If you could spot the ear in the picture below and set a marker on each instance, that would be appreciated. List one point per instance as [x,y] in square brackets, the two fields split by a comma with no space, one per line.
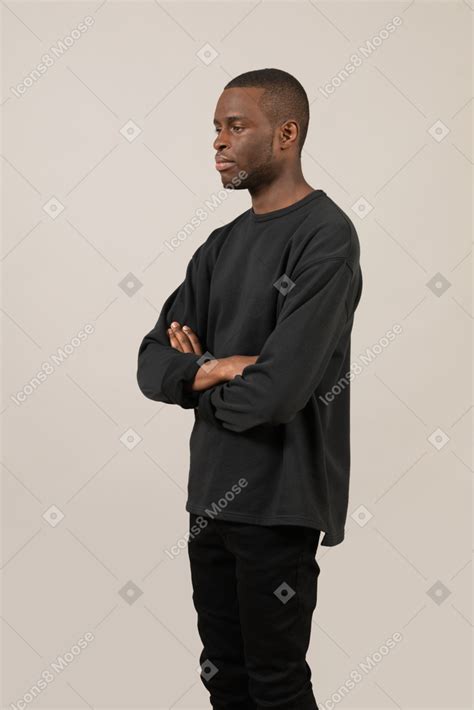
[289,132]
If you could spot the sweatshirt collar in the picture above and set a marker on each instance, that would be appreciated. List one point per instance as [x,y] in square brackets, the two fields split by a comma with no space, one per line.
[261,217]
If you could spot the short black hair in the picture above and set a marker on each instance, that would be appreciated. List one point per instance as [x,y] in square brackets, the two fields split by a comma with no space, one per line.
[284,97]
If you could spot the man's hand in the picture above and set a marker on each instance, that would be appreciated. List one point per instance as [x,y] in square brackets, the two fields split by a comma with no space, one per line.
[235,364]
[184,339]
[216,371]
[212,372]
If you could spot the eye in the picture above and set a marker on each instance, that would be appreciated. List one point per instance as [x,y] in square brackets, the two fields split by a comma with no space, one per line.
[233,128]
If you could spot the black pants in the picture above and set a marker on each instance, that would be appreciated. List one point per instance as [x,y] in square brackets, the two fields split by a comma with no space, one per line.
[254,590]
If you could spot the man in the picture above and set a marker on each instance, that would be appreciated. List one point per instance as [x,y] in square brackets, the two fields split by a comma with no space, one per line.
[256,340]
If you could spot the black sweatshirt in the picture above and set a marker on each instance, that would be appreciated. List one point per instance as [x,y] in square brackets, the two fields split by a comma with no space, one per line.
[271,446]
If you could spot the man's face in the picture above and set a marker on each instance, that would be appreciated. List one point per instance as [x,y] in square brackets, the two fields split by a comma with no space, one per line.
[244,136]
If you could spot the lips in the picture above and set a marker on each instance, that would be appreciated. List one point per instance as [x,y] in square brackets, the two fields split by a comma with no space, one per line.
[223,164]
[222,167]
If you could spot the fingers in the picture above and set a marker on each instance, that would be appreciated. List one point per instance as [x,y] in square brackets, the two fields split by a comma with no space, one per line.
[193,339]
[184,339]
[174,342]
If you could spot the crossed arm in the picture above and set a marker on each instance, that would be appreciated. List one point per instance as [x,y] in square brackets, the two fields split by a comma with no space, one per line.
[273,386]
[185,340]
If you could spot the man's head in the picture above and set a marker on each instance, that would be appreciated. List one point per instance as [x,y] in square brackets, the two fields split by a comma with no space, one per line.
[261,122]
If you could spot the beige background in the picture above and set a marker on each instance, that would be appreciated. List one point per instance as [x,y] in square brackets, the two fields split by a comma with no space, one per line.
[392,146]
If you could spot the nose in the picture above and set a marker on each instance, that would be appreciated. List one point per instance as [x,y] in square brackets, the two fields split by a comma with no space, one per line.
[221,141]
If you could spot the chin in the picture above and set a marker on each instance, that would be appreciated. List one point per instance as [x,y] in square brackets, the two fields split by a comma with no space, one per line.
[234,183]
[229,185]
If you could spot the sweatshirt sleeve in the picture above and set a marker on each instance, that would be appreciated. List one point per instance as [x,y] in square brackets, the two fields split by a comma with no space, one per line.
[165,374]
[294,357]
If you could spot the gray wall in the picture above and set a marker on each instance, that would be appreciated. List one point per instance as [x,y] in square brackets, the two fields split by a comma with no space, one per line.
[391,145]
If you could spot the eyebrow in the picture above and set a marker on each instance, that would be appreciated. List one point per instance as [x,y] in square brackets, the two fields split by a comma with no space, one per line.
[229,119]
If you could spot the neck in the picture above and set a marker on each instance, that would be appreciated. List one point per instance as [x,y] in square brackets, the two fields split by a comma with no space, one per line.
[282,192]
